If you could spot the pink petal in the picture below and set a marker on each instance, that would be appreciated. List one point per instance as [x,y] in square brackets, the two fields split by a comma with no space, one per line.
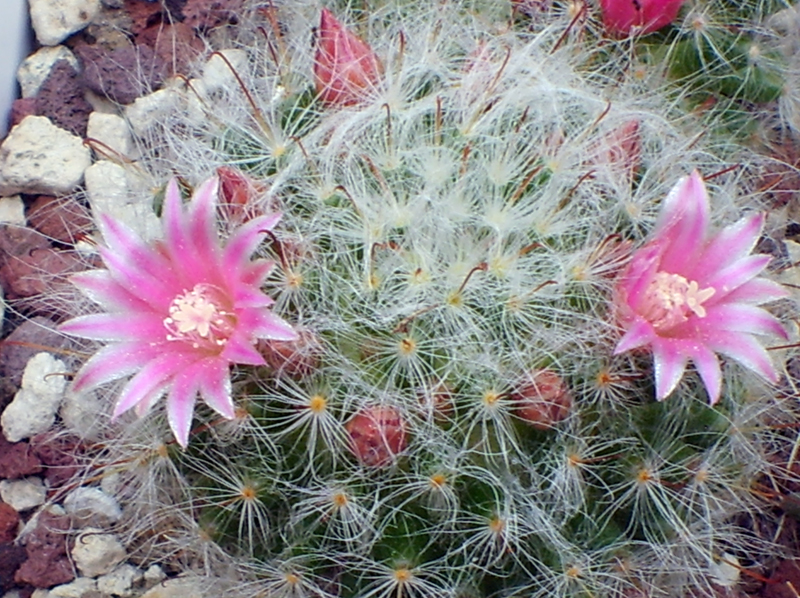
[239,349]
[245,241]
[640,273]
[113,362]
[707,365]
[738,317]
[683,223]
[728,246]
[130,248]
[101,288]
[153,377]
[734,276]
[254,273]
[117,327]
[639,334]
[757,291]
[669,358]
[215,387]
[201,225]
[158,293]
[746,350]
[191,244]
[262,323]
[180,403]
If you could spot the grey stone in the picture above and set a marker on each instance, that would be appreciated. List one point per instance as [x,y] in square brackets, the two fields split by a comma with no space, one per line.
[55,20]
[34,407]
[40,158]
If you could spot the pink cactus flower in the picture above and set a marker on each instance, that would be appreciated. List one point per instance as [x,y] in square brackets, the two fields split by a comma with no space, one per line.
[345,68]
[179,312]
[621,17]
[687,294]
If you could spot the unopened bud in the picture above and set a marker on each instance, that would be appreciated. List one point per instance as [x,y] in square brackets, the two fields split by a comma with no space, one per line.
[377,435]
[542,399]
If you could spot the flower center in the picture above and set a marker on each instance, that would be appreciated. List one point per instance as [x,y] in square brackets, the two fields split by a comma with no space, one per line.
[197,317]
[671,300]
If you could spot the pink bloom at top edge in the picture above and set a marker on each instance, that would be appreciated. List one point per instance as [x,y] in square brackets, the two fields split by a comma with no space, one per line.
[179,311]
[687,294]
[620,17]
[345,68]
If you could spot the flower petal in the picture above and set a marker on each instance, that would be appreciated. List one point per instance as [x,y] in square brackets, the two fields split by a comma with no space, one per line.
[180,403]
[153,377]
[746,350]
[738,317]
[683,223]
[117,327]
[245,240]
[707,365]
[158,293]
[735,275]
[215,387]
[101,288]
[757,291]
[729,245]
[262,323]
[639,334]
[113,362]
[239,349]
[669,359]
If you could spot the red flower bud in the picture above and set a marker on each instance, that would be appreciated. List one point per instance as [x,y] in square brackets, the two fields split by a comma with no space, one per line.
[542,399]
[238,193]
[296,359]
[621,17]
[345,68]
[377,435]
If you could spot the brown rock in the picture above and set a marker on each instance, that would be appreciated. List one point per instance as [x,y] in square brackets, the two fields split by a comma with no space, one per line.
[123,74]
[59,455]
[46,547]
[17,460]
[11,557]
[176,45]
[21,108]
[31,337]
[19,240]
[40,272]
[205,14]
[9,523]
[63,219]
[61,99]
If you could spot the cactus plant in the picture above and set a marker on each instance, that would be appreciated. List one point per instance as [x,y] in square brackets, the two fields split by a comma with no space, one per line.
[450,414]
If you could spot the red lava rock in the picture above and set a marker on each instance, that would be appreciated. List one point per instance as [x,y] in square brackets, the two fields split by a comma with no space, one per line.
[17,460]
[61,99]
[31,337]
[63,219]
[39,272]
[122,74]
[11,557]
[59,456]
[47,548]
[9,523]
[175,44]
[21,108]
[143,14]
[205,14]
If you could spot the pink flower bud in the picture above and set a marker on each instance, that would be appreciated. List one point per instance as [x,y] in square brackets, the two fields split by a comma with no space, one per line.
[345,68]
[542,399]
[377,435]
[621,17]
